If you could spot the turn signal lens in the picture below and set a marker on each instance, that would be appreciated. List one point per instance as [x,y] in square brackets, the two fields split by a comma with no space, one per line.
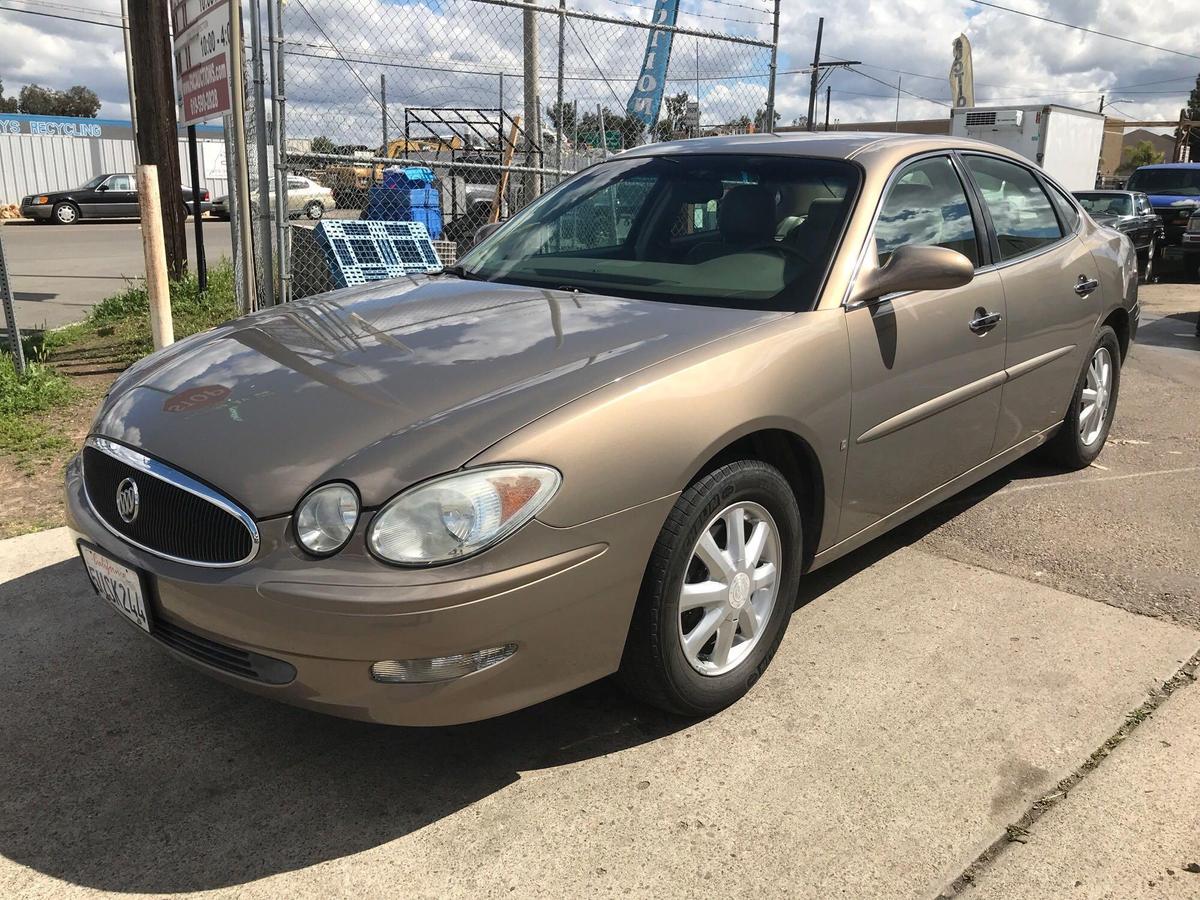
[439,668]
[42,199]
[458,515]
[325,518]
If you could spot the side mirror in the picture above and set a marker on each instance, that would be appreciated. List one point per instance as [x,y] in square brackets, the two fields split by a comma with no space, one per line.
[487,230]
[914,268]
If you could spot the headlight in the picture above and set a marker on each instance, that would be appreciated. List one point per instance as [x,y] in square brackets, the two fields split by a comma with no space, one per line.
[461,514]
[325,518]
[41,201]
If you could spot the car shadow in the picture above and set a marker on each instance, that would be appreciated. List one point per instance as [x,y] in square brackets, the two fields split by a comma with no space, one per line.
[126,771]
[1175,330]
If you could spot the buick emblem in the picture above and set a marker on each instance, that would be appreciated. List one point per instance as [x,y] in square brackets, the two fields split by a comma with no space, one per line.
[127,500]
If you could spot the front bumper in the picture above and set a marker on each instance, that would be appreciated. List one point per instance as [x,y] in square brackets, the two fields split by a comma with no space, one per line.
[563,595]
[1191,242]
[37,210]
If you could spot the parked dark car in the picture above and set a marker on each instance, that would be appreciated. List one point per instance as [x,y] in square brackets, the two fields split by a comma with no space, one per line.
[1174,190]
[110,196]
[1130,213]
[1191,250]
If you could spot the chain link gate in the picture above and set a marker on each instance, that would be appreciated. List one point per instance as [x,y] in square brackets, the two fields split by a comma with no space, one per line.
[373,88]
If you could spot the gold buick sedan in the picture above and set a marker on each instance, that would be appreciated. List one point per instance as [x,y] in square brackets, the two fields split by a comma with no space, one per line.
[614,437]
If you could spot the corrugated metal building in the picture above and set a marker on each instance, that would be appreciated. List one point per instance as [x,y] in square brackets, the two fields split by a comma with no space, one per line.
[50,153]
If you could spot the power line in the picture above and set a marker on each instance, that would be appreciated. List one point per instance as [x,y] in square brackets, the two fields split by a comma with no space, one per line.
[1103,34]
[588,51]
[701,15]
[31,12]
[898,88]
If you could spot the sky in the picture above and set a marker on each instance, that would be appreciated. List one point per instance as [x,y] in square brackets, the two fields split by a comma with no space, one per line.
[463,47]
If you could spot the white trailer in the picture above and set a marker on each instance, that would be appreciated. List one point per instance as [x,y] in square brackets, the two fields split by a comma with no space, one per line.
[1065,142]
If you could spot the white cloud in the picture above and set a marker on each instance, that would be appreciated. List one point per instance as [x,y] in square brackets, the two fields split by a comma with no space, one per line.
[464,46]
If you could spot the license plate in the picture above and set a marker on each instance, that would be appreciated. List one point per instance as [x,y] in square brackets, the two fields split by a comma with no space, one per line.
[119,584]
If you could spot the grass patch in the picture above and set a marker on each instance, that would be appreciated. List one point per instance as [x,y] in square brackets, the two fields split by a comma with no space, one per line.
[122,321]
[24,401]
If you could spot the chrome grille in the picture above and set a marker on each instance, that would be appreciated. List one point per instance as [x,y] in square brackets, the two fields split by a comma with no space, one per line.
[177,517]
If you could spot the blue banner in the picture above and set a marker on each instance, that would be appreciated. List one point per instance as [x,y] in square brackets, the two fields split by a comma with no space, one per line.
[646,99]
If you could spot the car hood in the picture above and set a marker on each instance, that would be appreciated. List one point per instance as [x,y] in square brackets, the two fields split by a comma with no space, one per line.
[385,385]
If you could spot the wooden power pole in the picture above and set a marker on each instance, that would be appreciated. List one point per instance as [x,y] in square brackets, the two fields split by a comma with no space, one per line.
[157,134]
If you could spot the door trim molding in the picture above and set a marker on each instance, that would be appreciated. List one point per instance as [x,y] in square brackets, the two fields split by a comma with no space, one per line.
[1036,362]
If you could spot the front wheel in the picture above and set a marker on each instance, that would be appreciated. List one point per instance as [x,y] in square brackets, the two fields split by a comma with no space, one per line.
[65,214]
[1093,405]
[1147,268]
[718,591]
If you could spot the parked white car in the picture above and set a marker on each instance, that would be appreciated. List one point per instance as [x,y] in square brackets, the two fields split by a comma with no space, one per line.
[305,197]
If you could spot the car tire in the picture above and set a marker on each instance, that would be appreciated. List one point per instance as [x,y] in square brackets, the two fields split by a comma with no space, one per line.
[65,214]
[1077,443]
[657,666]
[314,210]
[1146,267]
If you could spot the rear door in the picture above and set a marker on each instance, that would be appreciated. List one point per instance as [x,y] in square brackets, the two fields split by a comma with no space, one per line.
[926,372]
[1051,287]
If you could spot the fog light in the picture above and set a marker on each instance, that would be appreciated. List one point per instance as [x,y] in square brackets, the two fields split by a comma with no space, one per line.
[439,668]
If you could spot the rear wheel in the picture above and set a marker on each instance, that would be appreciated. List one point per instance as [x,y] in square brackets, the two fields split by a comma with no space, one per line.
[314,209]
[718,592]
[65,214]
[1085,428]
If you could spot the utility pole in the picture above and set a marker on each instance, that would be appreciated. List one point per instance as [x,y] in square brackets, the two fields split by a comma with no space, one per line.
[769,124]
[1102,102]
[129,75]
[383,111]
[248,295]
[828,97]
[260,146]
[532,181]
[899,80]
[816,77]
[158,135]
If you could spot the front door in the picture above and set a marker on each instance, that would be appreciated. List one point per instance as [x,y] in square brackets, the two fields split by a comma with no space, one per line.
[122,196]
[926,372]
[1053,294]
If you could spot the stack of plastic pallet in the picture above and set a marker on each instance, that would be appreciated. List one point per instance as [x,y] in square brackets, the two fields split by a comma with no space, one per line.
[407,195]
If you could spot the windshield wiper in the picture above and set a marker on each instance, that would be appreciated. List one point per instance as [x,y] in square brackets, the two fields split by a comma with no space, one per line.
[458,272]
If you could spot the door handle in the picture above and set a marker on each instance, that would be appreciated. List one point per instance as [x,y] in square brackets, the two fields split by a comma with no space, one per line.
[1086,285]
[984,321]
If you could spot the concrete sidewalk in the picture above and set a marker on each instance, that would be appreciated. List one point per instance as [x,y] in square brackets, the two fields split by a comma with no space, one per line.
[916,707]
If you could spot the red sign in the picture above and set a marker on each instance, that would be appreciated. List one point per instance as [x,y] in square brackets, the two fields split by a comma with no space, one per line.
[192,399]
[202,58]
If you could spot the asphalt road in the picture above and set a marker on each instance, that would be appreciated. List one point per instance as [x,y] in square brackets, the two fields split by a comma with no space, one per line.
[58,272]
[932,690]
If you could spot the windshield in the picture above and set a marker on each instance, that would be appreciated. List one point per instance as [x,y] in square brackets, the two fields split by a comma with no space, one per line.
[1180,182]
[1106,204]
[753,232]
[93,183]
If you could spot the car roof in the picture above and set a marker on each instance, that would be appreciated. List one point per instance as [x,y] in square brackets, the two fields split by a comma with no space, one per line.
[1182,165]
[1105,191]
[828,144]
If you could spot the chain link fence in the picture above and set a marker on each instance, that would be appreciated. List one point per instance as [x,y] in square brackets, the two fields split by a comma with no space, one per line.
[419,111]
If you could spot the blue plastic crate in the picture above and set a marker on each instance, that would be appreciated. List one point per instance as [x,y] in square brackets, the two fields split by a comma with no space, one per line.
[359,252]
[408,177]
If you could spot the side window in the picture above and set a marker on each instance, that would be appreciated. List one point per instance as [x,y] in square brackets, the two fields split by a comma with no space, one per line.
[927,204]
[297,184]
[1021,212]
[1143,205]
[120,183]
[1067,213]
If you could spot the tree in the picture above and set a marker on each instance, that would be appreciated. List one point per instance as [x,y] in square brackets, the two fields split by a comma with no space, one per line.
[322,144]
[1141,154]
[1193,113]
[760,120]
[629,128]
[674,123]
[563,123]
[78,100]
[7,104]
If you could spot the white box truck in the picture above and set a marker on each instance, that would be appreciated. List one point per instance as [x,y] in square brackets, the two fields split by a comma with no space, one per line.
[1065,142]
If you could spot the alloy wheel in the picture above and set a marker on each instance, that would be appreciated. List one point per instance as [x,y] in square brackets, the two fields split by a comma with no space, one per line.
[730,588]
[65,214]
[1095,397]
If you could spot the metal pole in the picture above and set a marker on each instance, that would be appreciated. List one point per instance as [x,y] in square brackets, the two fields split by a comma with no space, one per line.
[769,124]
[10,315]
[501,96]
[260,146]
[603,132]
[279,157]
[899,79]
[828,96]
[129,78]
[558,109]
[530,38]
[816,77]
[249,296]
[383,111]
[197,210]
